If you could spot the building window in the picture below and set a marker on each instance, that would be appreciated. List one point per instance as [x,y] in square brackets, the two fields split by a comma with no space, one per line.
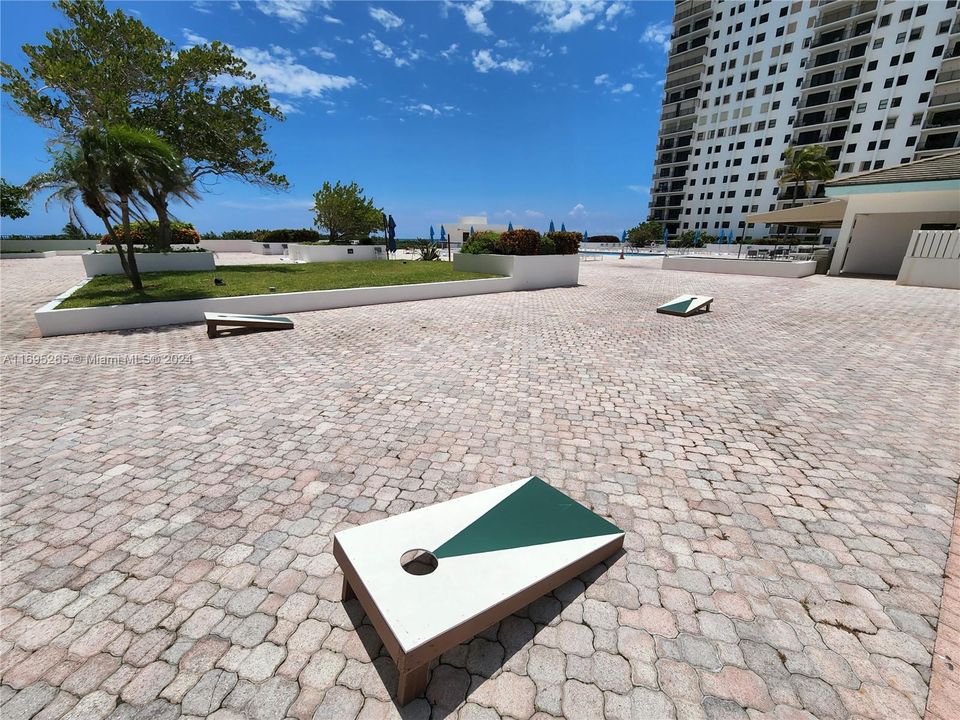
[884,21]
[908,58]
[867,87]
[943,27]
[916,33]
[856,128]
[884,144]
[877,125]
[891,123]
[871,146]
[872,65]
[937,51]
[902,80]
[900,38]
[878,43]
[888,83]
[922,10]
[896,102]
[852,147]
[878,164]
[883,104]
[862,107]
[894,60]
[917,119]
[906,14]
[911,141]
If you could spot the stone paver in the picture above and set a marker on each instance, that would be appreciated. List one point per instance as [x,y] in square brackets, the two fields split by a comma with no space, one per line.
[785,468]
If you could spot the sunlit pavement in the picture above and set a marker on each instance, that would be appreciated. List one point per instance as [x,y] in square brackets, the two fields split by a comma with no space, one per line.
[785,468]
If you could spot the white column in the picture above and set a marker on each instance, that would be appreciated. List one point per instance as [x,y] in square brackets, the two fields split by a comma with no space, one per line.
[843,240]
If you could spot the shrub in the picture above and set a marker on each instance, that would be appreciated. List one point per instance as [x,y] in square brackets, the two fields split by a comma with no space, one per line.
[286,235]
[482,243]
[564,243]
[148,233]
[519,242]
[547,245]
[426,250]
[604,239]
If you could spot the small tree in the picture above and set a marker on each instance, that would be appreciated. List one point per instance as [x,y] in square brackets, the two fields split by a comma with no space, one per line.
[344,212]
[803,165]
[646,233]
[13,200]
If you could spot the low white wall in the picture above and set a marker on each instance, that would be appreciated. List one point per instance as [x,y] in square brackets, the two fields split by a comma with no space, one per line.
[769,268]
[262,248]
[528,272]
[51,244]
[336,253]
[72,321]
[226,245]
[109,263]
[932,260]
[26,255]
[879,241]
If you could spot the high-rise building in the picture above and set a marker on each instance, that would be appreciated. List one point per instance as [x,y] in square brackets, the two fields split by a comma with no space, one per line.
[874,82]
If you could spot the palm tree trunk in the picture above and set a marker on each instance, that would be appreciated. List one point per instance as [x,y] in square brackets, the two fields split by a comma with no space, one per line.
[133,273]
[117,243]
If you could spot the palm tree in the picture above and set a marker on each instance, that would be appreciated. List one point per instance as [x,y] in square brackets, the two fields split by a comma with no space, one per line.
[109,170]
[803,165]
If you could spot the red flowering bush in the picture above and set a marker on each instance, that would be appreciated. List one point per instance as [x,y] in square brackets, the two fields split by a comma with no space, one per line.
[519,242]
[147,233]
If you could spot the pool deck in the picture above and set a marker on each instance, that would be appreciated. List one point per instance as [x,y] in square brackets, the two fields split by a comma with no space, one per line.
[785,468]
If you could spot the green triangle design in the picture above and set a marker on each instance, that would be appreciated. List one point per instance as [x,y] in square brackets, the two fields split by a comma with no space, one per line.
[534,514]
[681,306]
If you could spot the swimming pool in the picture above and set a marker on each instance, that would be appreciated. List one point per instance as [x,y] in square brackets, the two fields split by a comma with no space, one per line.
[617,253]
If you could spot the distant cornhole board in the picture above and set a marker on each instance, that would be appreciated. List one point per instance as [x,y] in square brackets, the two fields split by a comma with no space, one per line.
[262,322]
[433,578]
[686,305]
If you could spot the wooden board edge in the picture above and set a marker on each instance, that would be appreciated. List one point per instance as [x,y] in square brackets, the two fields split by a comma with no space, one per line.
[387,635]
[478,623]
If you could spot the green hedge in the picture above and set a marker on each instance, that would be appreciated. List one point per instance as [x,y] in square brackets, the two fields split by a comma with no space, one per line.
[522,241]
[148,233]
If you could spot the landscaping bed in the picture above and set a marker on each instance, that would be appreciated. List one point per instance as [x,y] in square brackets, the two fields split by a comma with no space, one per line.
[241,280]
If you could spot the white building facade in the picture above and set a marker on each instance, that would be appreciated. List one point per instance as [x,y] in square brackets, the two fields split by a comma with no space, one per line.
[876,82]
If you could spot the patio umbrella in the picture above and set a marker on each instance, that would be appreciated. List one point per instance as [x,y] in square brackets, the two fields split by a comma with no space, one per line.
[623,237]
[551,227]
[431,233]
[696,237]
[510,226]
[443,234]
[392,234]
[471,231]
[666,236]
[586,236]
[720,238]
[563,227]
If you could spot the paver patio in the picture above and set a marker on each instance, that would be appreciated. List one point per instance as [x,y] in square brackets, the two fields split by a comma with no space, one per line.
[785,468]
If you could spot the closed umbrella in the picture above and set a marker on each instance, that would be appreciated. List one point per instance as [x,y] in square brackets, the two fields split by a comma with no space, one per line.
[551,227]
[443,234]
[696,238]
[392,234]
[666,238]
[563,227]
[586,236]
[431,233]
[510,226]
[623,240]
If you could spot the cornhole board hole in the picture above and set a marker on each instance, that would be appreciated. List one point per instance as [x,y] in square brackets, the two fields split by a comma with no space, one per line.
[264,322]
[431,579]
[686,305]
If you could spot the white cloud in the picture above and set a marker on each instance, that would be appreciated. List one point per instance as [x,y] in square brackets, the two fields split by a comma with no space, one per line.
[533,213]
[562,16]
[578,211]
[331,20]
[602,79]
[613,13]
[322,52]
[484,61]
[294,12]
[473,14]
[657,34]
[431,110]
[202,6]
[449,51]
[623,89]
[386,18]
[276,67]
[400,57]
[642,189]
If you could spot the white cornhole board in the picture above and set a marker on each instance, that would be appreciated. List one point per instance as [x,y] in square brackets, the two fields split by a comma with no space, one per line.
[686,305]
[266,322]
[495,552]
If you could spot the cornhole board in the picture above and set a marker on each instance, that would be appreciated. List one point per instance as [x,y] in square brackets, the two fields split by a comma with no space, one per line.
[477,559]
[686,305]
[265,322]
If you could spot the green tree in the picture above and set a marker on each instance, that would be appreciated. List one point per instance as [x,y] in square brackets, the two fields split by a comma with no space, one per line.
[803,165]
[13,200]
[344,212]
[646,233]
[73,231]
[105,69]
[108,171]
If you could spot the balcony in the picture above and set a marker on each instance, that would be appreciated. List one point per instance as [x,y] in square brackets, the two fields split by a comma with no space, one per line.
[825,98]
[677,114]
[947,76]
[696,59]
[947,118]
[839,56]
[694,9]
[847,12]
[684,80]
[941,142]
[945,99]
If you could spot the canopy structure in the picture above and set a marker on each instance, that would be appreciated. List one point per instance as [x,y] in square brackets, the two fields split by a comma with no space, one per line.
[827,214]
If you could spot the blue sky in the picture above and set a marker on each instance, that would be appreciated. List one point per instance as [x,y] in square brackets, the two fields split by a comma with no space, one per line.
[525,112]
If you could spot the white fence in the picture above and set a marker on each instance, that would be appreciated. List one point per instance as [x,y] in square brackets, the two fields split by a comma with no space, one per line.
[932,259]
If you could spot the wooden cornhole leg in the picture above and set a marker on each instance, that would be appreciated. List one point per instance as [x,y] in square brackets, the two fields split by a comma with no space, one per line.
[412,683]
[347,593]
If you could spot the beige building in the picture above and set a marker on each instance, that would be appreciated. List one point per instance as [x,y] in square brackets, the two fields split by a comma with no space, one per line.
[459,231]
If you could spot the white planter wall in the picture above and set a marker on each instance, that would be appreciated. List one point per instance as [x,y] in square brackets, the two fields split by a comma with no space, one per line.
[71,321]
[26,255]
[528,272]
[932,260]
[226,245]
[768,268]
[109,263]
[336,253]
[50,244]
[266,248]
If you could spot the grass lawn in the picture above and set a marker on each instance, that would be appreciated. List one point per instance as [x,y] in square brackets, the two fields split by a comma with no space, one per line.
[257,280]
